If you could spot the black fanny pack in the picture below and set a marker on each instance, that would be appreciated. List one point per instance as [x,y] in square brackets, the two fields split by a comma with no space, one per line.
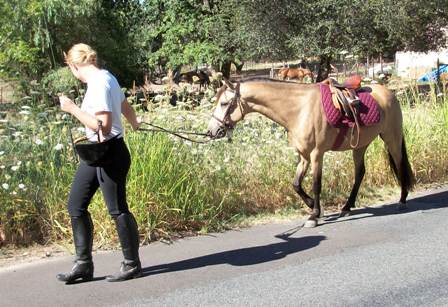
[96,154]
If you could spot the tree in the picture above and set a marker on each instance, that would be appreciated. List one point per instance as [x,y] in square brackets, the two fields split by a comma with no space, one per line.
[35,33]
[323,29]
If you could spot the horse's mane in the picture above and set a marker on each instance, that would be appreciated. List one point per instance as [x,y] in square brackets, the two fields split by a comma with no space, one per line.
[223,88]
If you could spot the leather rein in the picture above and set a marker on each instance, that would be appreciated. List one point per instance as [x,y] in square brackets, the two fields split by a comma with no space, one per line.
[225,121]
[178,134]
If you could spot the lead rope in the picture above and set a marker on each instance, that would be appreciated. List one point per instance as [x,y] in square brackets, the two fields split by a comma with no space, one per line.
[177,133]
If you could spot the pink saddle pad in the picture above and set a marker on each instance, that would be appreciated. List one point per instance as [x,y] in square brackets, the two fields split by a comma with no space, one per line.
[369,113]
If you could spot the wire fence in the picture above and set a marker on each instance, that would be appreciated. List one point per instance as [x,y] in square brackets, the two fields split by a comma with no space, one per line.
[341,69]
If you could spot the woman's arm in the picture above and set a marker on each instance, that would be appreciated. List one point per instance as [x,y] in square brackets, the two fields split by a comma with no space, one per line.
[129,113]
[67,105]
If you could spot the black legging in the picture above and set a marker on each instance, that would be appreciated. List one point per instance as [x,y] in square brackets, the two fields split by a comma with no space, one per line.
[111,179]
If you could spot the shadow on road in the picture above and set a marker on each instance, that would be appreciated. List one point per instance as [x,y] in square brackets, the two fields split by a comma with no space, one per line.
[427,202]
[240,257]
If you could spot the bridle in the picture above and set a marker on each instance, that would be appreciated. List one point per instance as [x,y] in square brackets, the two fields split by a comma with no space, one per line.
[236,101]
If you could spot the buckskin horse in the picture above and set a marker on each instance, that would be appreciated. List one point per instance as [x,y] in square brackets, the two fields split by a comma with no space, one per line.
[295,73]
[300,110]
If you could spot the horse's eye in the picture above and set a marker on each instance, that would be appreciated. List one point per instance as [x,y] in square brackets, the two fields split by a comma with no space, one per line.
[224,103]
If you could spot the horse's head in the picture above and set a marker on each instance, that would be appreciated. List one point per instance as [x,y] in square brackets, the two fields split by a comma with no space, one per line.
[228,110]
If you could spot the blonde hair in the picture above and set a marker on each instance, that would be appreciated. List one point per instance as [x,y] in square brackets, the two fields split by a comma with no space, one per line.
[80,54]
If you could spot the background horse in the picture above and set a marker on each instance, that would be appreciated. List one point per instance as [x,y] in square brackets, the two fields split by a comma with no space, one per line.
[201,75]
[298,108]
[295,73]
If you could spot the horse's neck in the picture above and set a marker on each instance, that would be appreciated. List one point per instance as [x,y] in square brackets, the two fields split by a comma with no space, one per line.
[281,102]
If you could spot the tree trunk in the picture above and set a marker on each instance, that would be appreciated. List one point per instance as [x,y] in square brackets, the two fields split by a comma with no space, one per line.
[239,67]
[324,68]
[225,69]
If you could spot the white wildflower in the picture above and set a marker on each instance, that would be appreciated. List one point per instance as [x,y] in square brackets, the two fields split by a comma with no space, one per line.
[2,167]
[38,142]
[22,186]
[14,168]
[58,147]
[2,153]
[19,163]
[5,186]
[14,193]
[158,98]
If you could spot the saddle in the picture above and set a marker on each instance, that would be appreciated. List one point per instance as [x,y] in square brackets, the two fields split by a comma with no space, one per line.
[344,96]
[347,102]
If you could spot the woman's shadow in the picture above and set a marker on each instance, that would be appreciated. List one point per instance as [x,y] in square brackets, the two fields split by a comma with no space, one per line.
[242,256]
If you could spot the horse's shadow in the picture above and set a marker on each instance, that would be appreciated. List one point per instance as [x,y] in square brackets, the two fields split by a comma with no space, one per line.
[242,256]
[265,253]
[422,203]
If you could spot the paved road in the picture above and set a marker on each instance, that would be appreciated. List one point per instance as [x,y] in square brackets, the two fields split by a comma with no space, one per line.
[377,257]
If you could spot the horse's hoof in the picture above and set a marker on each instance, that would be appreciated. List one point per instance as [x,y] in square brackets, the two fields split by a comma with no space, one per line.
[402,206]
[310,224]
[345,213]
[321,214]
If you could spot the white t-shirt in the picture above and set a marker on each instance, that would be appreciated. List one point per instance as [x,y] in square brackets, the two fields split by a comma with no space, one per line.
[104,95]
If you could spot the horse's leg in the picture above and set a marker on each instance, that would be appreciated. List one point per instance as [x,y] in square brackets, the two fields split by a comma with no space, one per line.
[302,168]
[316,167]
[360,170]
[398,160]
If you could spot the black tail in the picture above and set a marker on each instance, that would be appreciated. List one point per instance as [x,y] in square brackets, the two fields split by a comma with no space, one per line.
[405,176]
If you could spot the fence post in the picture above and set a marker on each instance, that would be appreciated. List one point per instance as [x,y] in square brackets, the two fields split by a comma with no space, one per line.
[367,67]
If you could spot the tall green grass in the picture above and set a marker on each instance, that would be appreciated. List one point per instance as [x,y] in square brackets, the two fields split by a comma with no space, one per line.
[181,187]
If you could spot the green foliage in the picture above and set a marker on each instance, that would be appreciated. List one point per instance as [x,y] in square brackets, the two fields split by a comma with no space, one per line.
[135,37]
[60,81]
[34,35]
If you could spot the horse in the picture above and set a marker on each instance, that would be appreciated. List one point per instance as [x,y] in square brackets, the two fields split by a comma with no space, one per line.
[298,108]
[200,75]
[295,73]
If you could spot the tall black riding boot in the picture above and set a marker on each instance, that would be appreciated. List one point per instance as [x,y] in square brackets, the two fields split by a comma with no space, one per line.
[128,233]
[82,227]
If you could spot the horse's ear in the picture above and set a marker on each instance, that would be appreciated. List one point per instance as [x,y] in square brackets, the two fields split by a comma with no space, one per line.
[228,83]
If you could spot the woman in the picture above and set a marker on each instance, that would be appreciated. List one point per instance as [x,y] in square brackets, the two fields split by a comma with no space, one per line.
[101,110]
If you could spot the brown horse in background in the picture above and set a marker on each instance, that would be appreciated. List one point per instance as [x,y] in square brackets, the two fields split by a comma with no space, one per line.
[298,108]
[295,73]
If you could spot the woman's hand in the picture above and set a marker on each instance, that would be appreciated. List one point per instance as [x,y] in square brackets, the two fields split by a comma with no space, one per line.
[67,105]
[130,115]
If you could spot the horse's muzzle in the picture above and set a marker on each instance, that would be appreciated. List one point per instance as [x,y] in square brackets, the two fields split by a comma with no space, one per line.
[217,133]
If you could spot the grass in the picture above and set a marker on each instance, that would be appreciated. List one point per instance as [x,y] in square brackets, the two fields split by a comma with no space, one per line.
[178,187]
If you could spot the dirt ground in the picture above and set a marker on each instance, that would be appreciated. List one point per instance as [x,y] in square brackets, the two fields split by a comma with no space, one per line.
[14,256]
